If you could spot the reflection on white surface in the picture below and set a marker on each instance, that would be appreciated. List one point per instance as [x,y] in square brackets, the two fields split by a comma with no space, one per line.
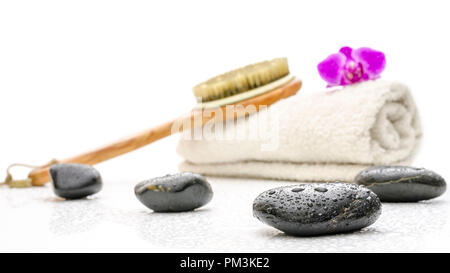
[114,220]
[75,216]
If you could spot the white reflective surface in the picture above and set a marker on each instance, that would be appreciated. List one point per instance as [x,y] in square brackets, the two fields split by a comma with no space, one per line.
[114,220]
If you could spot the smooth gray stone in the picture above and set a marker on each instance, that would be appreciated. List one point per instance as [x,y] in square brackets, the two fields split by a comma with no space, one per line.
[74,181]
[173,193]
[401,183]
[317,208]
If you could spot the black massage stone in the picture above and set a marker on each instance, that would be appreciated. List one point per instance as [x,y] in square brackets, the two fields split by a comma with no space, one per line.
[317,208]
[174,193]
[402,184]
[74,181]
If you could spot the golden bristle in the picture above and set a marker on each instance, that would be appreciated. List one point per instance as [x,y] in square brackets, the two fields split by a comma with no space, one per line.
[241,80]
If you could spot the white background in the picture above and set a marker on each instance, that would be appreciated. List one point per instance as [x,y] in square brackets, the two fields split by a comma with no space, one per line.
[78,74]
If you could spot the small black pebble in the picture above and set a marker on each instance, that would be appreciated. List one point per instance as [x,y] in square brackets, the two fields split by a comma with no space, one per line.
[401,183]
[74,181]
[174,193]
[340,207]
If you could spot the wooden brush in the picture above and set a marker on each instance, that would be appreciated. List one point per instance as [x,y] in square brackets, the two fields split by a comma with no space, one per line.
[256,85]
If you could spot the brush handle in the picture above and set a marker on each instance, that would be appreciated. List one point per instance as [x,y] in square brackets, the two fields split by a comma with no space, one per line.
[40,176]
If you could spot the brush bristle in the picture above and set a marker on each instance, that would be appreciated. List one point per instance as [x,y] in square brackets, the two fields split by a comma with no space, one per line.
[241,80]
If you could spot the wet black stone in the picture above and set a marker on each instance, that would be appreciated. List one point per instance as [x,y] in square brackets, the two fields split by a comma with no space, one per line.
[74,181]
[172,193]
[317,213]
[401,183]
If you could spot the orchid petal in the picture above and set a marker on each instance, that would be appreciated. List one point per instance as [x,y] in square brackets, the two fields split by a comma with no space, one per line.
[331,69]
[347,51]
[373,61]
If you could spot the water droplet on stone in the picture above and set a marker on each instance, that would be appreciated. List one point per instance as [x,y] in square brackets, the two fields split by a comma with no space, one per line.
[297,189]
[321,189]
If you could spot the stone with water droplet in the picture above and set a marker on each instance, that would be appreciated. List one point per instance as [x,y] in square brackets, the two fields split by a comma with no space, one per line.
[174,193]
[74,181]
[320,215]
[401,183]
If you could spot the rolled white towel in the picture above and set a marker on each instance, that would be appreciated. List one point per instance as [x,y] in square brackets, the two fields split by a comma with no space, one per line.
[321,136]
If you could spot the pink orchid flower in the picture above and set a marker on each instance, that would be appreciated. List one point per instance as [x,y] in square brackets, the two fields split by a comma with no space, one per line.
[350,66]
